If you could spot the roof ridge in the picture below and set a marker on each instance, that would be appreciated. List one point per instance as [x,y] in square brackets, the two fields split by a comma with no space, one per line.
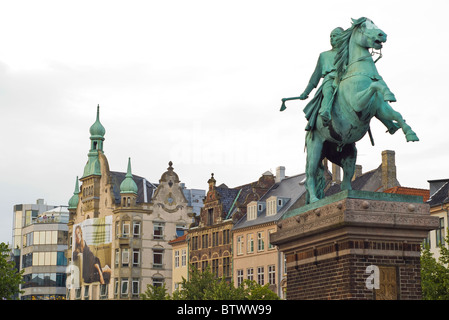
[430,196]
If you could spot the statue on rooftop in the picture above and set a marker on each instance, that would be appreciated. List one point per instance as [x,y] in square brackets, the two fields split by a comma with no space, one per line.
[351,94]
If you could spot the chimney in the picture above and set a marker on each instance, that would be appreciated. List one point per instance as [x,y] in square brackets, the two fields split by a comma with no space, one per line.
[358,172]
[280,174]
[336,175]
[388,170]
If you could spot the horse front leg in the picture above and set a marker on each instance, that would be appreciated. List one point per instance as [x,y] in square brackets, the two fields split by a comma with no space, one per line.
[386,112]
[314,148]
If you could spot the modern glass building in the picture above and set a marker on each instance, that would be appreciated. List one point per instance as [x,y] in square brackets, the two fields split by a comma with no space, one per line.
[40,238]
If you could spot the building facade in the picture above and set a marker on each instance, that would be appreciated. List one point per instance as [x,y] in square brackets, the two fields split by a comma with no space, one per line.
[180,255]
[439,207]
[254,257]
[210,244]
[40,246]
[119,228]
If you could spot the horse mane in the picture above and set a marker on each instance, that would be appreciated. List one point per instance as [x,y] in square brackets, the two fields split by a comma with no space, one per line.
[342,44]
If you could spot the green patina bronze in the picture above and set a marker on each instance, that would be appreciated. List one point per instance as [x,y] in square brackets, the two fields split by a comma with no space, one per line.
[351,94]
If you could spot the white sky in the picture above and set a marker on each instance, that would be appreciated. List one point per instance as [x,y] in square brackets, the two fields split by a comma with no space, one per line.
[198,83]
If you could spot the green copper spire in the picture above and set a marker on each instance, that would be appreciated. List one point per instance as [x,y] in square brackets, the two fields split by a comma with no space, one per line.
[128,185]
[73,202]
[97,132]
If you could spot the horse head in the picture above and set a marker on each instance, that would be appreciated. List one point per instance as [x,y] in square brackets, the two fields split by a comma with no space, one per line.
[370,36]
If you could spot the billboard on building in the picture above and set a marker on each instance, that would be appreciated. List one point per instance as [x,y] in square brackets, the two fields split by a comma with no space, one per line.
[91,252]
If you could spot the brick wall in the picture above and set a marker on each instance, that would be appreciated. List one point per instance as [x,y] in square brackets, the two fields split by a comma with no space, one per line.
[344,278]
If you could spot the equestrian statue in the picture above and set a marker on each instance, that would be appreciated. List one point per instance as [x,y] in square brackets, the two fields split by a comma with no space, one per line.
[351,94]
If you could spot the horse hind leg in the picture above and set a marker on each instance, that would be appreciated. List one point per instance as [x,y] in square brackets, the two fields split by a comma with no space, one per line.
[386,112]
[348,163]
[346,159]
[314,173]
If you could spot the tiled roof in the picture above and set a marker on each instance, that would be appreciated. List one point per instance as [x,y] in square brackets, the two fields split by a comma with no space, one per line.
[357,184]
[227,197]
[179,239]
[290,188]
[410,191]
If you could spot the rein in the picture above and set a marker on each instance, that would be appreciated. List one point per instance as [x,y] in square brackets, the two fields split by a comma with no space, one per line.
[373,77]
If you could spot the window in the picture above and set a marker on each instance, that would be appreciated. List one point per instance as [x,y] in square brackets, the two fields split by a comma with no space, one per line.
[194,243]
[250,274]
[124,287]
[103,291]
[239,277]
[226,239]
[250,244]
[440,233]
[215,267]
[125,257]
[271,206]
[135,287]
[43,237]
[215,239]
[260,275]
[86,292]
[158,230]
[252,211]
[210,216]
[78,293]
[158,282]
[44,280]
[240,245]
[117,257]
[136,229]
[136,257]
[46,259]
[125,229]
[157,258]
[180,230]
[426,241]
[177,259]
[226,267]
[116,287]
[270,246]
[184,257]
[204,265]
[204,241]
[260,241]
[272,274]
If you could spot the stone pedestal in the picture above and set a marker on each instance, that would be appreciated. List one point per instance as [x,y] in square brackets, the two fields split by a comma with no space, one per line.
[355,245]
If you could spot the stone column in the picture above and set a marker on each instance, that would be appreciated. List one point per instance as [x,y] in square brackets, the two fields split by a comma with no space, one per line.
[355,245]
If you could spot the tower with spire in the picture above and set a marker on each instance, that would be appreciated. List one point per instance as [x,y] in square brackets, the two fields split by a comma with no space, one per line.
[126,223]
[128,188]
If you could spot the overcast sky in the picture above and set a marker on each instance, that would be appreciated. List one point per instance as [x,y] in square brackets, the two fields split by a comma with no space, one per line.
[199,83]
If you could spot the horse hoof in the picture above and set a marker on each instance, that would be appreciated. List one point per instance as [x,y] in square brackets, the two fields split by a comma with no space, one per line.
[411,137]
[393,128]
[313,199]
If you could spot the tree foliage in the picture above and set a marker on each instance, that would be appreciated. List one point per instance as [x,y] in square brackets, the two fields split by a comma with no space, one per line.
[10,278]
[205,286]
[435,274]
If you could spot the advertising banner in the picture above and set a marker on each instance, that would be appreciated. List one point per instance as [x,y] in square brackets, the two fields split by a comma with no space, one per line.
[91,252]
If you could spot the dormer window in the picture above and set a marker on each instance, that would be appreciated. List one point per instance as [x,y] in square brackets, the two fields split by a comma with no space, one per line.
[252,211]
[271,206]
